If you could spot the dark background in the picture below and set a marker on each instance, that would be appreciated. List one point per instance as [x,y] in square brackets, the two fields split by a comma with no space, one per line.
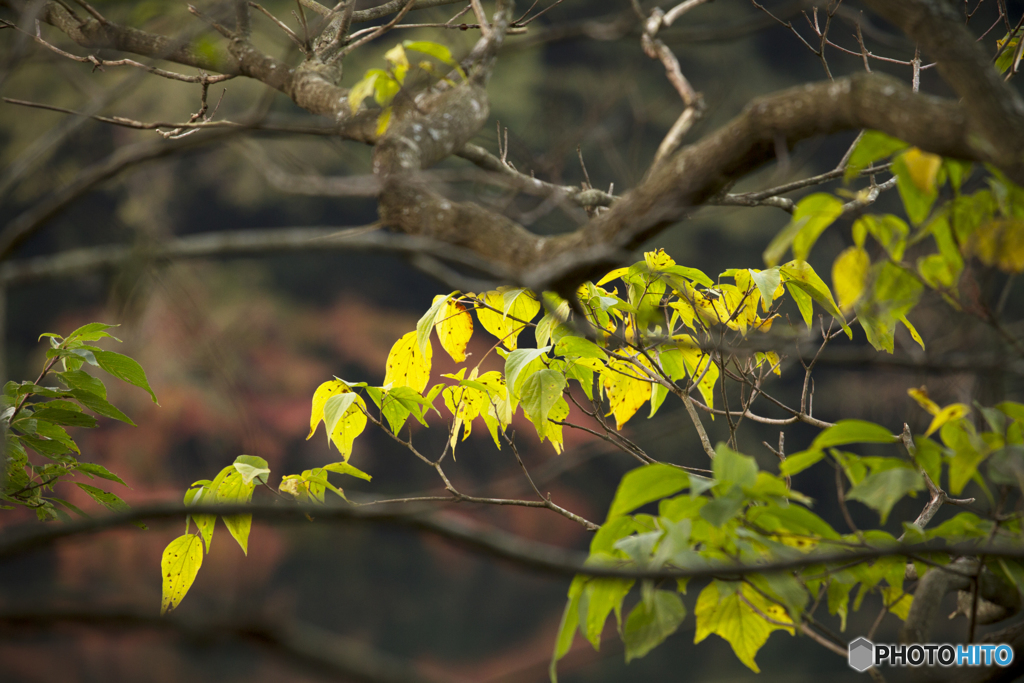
[235,347]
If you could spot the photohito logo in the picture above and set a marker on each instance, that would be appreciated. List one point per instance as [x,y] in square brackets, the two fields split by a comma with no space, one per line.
[863,654]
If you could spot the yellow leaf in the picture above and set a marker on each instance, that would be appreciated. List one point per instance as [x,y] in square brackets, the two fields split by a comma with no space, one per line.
[454,328]
[897,601]
[699,366]
[921,396]
[320,396]
[464,403]
[407,366]
[351,425]
[849,276]
[179,565]
[618,272]
[656,260]
[923,167]
[396,57]
[511,308]
[558,413]
[685,311]
[627,388]
[733,617]
[947,414]
[383,120]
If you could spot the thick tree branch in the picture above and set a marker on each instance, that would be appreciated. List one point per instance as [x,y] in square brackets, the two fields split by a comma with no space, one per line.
[994,109]
[492,542]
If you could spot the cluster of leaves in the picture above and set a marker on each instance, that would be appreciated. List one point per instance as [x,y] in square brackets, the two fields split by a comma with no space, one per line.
[234,485]
[986,224]
[743,515]
[35,418]
[384,84]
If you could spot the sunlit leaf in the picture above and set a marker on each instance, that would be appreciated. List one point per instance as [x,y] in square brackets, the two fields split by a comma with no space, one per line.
[729,611]
[179,566]
[849,276]
[454,329]
[627,388]
[407,366]
[511,309]
[645,485]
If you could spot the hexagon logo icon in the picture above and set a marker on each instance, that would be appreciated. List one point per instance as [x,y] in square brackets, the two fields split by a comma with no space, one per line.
[862,654]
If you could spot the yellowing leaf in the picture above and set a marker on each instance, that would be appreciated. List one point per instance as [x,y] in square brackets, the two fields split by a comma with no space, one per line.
[618,272]
[849,276]
[407,366]
[627,388]
[733,617]
[398,60]
[179,565]
[923,168]
[699,366]
[383,120]
[517,307]
[363,89]
[345,420]
[1000,243]
[921,396]
[658,259]
[320,396]
[464,403]
[454,328]
[558,413]
[947,414]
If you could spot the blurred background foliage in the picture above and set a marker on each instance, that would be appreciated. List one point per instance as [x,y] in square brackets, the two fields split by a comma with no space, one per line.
[235,347]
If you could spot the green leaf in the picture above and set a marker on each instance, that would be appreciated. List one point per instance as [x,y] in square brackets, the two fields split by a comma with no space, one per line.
[200,493]
[767,282]
[815,213]
[579,347]
[651,622]
[79,379]
[107,500]
[852,431]
[812,215]
[917,199]
[882,490]
[64,417]
[798,462]
[90,332]
[435,50]
[252,467]
[179,566]
[124,368]
[731,467]
[345,468]
[516,362]
[600,597]
[540,392]
[99,471]
[426,322]
[729,611]
[567,628]
[645,485]
[801,275]
[890,231]
[724,507]
[872,146]
[893,293]
[692,274]
[234,489]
